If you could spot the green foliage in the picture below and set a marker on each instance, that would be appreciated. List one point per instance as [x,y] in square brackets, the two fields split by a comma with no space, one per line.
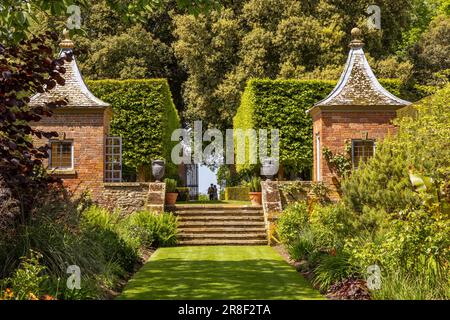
[282,104]
[292,222]
[171,185]
[293,191]
[237,193]
[340,162]
[104,245]
[429,53]
[224,174]
[144,116]
[332,269]
[150,229]
[254,184]
[421,143]
[183,193]
[403,286]
[274,39]
[394,213]
[17,20]
[102,229]
[301,247]
[331,224]
[27,281]
[320,190]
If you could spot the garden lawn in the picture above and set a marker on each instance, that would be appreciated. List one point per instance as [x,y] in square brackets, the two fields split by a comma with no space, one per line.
[218,272]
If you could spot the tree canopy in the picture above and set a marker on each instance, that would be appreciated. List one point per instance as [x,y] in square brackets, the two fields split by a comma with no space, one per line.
[208,50]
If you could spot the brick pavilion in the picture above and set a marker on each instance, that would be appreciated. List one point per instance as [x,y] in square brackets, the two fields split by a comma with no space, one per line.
[83,154]
[358,113]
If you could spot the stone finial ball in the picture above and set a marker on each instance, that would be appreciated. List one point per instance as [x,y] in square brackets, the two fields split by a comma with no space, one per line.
[356,33]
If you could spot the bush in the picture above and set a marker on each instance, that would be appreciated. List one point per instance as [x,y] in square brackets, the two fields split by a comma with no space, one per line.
[422,144]
[171,185]
[149,229]
[332,269]
[136,104]
[398,285]
[237,193]
[183,194]
[255,184]
[282,104]
[331,224]
[27,281]
[292,222]
[102,228]
[395,214]
[301,247]
[65,232]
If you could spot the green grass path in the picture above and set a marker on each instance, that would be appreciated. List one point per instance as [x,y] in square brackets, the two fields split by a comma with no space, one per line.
[218,272]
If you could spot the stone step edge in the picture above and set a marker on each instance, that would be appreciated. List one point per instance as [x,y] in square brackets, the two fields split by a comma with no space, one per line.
[211,206]
[222,242]
[222,229]
[212,224]
[225,218]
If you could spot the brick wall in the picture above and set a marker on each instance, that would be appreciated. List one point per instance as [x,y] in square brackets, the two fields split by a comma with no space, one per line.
[87,128]
[336,127]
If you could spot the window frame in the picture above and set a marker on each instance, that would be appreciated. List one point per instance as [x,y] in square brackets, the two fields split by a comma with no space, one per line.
[112,154]
[355,165]
[50,162]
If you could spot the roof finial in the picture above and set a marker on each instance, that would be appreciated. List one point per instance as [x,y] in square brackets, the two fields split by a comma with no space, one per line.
[66,43]
[356,42]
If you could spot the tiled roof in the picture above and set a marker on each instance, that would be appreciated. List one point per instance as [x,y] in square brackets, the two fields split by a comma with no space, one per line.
[74,90]
[358,85]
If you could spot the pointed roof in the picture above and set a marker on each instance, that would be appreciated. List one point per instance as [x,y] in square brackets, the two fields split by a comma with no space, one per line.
[358,85]
[74,90]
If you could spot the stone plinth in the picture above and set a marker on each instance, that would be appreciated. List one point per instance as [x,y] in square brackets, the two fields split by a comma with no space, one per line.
[271,204]
[156,196]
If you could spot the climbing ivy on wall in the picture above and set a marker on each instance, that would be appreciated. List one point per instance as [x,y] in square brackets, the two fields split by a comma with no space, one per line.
[144,116]
[282,104]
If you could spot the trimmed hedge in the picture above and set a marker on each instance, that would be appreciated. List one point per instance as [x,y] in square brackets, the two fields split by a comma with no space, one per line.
[144,116]
[282,104]
[237,193]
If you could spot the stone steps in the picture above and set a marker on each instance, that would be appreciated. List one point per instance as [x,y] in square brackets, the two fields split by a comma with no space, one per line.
[197,242]
[220,225]
[220,229]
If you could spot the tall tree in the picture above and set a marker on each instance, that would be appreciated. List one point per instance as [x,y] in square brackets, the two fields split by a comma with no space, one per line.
[272,38]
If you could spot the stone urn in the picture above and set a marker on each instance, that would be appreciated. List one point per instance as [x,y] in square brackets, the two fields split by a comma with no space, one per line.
[268,168]
[158,167]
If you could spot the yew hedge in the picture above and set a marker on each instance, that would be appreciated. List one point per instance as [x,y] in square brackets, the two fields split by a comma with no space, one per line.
[144,116]
[282,104]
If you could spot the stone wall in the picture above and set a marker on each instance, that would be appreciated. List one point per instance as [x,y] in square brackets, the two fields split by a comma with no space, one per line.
[133,196]
[271,204]
[292,191]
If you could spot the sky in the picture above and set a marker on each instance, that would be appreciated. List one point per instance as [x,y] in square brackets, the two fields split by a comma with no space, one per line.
[205,178]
